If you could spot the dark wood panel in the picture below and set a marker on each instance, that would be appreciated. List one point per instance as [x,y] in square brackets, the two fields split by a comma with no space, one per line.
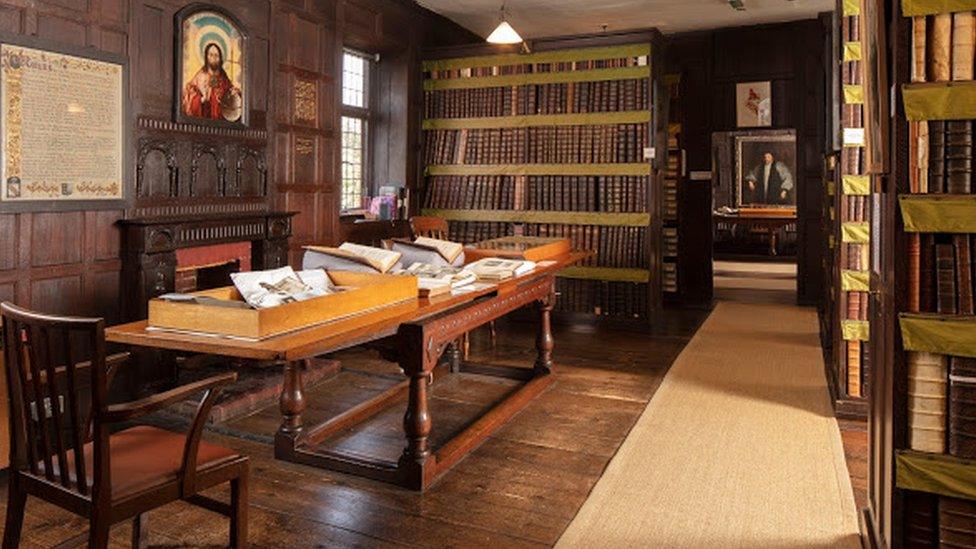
[57,239]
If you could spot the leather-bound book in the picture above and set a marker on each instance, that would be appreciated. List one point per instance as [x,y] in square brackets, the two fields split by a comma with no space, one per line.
[964,273]
[957,523]
[945,281]
[923,157]
[913,144]
[928,380]
[865,368]
[853,305]
[958,153]
[962,407]
[921,520]
[914,272]
[927,273]
[937,155]
[962,45]
[918,48]
[854,368]
[940,48]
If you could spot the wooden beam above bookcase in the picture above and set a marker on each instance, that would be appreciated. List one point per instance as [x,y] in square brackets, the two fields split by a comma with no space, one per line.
[556,56]
[562,77]
[533,120]
[540,169]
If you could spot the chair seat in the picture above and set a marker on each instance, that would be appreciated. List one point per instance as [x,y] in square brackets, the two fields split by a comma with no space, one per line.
[144,457]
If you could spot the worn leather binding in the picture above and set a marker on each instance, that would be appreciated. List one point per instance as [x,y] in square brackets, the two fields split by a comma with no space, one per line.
[914,272]
[957,523]
[958,154]
[853,305]
[854,368]
[921,524]
[962,45]
[937,156]
[962,407]
[927,277]
[918,49]
[945,273]
[940,48]
[964,273]
[928,380]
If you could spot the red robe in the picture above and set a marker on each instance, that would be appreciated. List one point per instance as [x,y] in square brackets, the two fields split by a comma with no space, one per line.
[204,93]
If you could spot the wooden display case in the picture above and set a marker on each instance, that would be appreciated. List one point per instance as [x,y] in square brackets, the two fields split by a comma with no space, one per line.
[365,292]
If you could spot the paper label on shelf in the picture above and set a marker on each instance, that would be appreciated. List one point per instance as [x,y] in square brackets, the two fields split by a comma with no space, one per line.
[649,153]
[696,175]
[853,137]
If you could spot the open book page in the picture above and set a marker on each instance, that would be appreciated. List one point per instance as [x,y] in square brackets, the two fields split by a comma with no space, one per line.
[262,289]
[432,276]
[448,250]
[381,260]
[493,268]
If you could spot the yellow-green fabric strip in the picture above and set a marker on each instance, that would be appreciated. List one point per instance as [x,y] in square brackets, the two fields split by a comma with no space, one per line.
[593,75]
[853,94]
[606,273]
[830,241]
[911,8]
[924,213]
[940,100]
[831,188]
[635,169]
[855,232]
[856,184]
[852,51]
[530,120]
[947,335]
[855,281]
[538,216]
[935,474]
[851,7]
[855,330]
[555,56]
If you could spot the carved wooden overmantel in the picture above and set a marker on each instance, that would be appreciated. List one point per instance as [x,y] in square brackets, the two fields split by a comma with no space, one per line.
[149,247]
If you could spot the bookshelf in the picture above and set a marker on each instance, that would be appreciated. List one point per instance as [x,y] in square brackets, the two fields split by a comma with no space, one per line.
[922,491]
[673,175]
[556,142]
[849,209]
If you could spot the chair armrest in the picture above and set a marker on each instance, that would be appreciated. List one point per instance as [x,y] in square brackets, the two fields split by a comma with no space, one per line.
[137,408]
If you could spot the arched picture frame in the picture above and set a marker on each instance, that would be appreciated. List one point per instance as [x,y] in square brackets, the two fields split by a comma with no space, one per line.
[212,67]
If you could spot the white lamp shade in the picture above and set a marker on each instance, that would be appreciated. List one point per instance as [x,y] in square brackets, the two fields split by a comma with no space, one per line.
[504,34]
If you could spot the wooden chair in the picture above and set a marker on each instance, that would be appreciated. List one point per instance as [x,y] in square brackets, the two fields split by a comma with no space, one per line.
[431,227]
[436,227]
[64,455]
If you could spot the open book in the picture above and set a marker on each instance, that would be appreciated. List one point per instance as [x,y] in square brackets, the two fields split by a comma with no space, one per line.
[429,250]
[263,289]
[434,280]
[492,268]
[329,258]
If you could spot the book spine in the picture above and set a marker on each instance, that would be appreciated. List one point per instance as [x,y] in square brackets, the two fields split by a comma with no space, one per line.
[927,390]
[957,522]
[964,273]
[962,407]
[945,279]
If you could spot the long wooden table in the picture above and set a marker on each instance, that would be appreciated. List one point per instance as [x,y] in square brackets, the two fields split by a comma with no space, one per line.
[419,332]
[768,222]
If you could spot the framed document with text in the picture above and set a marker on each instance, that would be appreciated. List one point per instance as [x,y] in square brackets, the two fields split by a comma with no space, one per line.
[63,122]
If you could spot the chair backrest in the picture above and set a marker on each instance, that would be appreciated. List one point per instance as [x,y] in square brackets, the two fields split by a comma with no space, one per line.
[50,362]
[431,227]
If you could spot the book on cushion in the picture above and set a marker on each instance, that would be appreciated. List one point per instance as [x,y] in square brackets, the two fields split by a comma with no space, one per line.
[352,258]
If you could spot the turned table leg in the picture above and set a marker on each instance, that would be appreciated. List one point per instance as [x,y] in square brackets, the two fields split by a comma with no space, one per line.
[292,399]
[454,355]
[416,421]
[544,341]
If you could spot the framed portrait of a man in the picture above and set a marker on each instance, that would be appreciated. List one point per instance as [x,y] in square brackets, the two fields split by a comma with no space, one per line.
[766,170]
[211,67]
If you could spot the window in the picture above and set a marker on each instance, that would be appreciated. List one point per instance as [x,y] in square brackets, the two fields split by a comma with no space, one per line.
[355,125]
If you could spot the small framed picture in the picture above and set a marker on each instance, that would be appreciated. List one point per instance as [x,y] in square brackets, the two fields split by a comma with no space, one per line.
[753,105]
[211,67]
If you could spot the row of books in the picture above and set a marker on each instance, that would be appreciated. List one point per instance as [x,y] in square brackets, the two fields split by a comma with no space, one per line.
[855,208]
[933,521]
[942,404]
[669,275]
[612,246]
[858,368]
[941,156]
[855,304]
[538,192]
[527,68]
[562,98]
[620,143]
[855,256]
[943,47]
[468,232]
[617,299]
[587,193]
[940,274]
[477,192]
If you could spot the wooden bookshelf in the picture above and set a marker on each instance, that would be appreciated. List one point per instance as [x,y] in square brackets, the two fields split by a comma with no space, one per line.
[673,178]
[556,142]
[921,463]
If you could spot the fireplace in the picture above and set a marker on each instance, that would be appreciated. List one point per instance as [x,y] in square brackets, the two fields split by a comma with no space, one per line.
[198,251]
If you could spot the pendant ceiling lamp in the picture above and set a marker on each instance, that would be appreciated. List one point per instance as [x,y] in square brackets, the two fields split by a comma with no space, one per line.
[504,33]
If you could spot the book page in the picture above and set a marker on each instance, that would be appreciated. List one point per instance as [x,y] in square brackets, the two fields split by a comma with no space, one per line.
[379,258]
[448,250]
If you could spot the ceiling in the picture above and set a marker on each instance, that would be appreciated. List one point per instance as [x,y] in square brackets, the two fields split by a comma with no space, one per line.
[540,18]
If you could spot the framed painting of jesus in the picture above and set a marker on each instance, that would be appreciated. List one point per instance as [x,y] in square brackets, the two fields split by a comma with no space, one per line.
[211,67]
